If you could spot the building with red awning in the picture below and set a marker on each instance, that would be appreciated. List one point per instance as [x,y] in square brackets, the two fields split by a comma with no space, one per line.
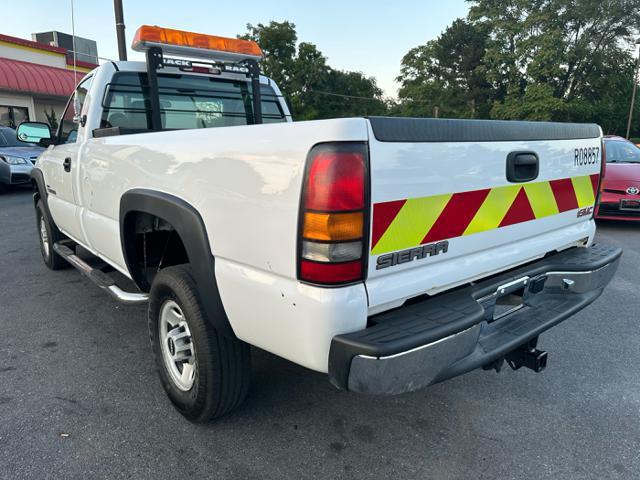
[36,80]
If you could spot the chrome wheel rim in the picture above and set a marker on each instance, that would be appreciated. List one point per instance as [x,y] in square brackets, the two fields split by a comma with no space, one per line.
[176,345]
[44,238]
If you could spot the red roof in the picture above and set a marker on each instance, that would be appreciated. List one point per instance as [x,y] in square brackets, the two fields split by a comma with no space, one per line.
[29,43]
[36,79]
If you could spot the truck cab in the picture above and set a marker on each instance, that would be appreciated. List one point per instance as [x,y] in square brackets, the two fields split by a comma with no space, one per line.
[114,100]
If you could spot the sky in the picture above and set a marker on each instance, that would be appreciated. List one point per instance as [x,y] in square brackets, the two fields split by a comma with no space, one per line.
[370,36]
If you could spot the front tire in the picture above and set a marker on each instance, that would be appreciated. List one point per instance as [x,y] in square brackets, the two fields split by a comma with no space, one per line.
[49,234]
[204,373]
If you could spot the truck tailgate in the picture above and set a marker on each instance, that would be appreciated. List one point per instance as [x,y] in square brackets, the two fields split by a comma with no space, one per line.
[444,212]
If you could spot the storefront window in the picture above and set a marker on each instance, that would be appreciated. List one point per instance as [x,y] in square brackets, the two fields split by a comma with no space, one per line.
[5,117]
[13,116]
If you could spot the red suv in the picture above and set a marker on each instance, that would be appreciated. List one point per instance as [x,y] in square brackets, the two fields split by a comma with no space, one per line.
[620,198]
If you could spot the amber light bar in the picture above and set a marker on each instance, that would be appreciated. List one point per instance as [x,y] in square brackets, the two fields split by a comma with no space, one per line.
[180,42]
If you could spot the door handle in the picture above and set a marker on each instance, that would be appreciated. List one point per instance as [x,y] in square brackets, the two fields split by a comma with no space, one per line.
[67,164]
[522,166]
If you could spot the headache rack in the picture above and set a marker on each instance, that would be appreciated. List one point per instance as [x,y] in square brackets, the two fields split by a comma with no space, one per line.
[224,54]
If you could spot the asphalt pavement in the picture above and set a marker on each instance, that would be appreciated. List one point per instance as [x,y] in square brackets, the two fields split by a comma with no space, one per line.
[80,397]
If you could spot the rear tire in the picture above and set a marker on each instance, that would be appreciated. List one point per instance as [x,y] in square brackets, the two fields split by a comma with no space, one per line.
[49,234]
[204,373]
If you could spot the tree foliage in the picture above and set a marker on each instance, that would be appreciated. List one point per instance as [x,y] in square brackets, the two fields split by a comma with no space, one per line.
[312,88]
[447,74]
[564,60]
[552,60]
[52,119]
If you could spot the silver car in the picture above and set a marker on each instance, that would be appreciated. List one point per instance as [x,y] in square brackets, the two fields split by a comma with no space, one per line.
[16,159]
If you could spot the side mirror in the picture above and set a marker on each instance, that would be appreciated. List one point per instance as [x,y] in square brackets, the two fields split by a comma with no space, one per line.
[34,132]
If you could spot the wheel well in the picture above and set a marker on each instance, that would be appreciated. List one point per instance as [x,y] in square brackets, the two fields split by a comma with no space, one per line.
[161,212]
[153,244]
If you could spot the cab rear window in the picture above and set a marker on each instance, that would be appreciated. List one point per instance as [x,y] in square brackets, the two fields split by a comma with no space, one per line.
[186,102]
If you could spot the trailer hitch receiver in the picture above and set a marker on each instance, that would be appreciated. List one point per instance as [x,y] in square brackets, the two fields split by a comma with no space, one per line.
[528,356]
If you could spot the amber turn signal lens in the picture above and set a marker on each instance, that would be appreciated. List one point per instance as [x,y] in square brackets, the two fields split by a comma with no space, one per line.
[332,227]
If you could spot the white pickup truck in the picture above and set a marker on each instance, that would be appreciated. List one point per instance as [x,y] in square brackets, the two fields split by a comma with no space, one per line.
[389,253]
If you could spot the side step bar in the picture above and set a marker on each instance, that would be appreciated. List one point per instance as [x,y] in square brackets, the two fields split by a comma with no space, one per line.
[100,278]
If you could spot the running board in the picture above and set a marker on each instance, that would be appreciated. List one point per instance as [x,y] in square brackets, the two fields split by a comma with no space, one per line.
[101,279]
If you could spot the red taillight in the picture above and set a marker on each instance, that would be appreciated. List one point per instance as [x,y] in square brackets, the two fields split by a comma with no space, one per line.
[335,182]
[334,220]
[330,273]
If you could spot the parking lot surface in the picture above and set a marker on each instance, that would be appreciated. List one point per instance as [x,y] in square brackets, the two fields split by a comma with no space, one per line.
[80,397]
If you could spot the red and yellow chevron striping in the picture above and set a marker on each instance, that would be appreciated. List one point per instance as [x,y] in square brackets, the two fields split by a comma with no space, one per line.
[401,224]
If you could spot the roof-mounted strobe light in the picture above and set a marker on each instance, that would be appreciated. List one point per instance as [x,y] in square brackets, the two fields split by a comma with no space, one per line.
[198,45]
[156,41]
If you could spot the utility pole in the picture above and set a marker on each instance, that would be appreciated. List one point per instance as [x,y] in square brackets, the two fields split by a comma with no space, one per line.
[635,87]
[122,43]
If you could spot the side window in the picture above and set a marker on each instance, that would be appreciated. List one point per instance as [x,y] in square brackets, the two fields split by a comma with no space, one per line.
[68,131]
[13,116]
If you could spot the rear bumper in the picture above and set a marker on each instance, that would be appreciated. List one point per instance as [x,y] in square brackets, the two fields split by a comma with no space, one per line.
[455,332]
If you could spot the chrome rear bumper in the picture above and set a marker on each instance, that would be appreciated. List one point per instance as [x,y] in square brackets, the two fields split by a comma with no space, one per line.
[456,332]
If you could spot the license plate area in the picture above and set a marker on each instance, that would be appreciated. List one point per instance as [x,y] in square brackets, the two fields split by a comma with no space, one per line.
[507,299]
[508,303]
[630,205]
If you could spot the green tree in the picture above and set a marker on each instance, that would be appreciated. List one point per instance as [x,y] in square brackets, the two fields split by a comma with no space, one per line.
[351,94]
[278,42]
[312,88]
[564,60]
[548,55]
[447,75]
[52,120]
[310,72]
